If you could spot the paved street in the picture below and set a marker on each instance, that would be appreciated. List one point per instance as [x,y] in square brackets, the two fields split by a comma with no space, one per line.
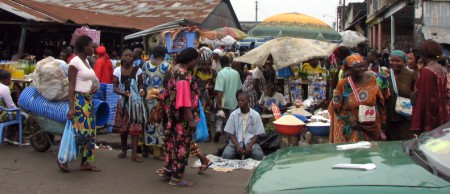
[24,170]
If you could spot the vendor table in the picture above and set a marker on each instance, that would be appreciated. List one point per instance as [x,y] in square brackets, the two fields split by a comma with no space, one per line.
[20,84]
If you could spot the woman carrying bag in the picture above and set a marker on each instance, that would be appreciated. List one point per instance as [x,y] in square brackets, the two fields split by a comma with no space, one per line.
[398,105]
[82,85]
[357,108]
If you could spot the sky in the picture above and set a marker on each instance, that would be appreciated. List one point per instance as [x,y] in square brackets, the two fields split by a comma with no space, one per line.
[245,9]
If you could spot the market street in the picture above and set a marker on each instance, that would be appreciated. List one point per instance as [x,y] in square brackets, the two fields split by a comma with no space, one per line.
[26,171]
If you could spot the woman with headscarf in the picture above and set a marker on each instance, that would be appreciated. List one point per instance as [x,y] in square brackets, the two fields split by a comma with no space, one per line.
[398,126]
[103,68]
[344,108]
[430,110]
[205,78]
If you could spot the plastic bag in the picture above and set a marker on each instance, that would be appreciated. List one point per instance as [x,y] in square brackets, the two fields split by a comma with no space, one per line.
[201,134]
[67,149]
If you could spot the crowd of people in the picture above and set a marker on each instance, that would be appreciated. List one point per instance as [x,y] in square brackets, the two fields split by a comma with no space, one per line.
[195,76]
[394,100]
[372,99]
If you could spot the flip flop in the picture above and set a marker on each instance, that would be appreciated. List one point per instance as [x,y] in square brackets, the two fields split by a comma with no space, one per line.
[90,168]
[182,183]
[62,167]
[204,167]
[137,159]
[160,172]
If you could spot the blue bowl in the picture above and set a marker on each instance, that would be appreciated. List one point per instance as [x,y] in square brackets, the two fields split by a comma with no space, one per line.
[321,131]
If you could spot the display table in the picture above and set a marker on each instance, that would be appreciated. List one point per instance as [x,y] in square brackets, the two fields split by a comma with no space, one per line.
[20,84]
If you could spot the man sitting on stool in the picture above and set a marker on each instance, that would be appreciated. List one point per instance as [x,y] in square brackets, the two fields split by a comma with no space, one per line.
[244,127]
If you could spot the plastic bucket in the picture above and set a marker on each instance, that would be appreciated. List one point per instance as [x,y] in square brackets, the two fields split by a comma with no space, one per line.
[101,112]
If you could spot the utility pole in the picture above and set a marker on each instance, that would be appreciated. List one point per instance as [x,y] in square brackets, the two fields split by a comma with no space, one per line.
[343,16]
[256,11]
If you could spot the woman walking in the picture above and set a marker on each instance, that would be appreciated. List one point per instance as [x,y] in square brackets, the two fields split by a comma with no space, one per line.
[130,114]
[181,103]
[83,84]
[360,88]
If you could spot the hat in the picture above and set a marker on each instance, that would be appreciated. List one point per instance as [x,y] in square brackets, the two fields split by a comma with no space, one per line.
[218,51]
[101,50]
[353,60]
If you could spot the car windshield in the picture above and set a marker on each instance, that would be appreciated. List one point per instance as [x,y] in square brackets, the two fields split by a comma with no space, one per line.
[435,146]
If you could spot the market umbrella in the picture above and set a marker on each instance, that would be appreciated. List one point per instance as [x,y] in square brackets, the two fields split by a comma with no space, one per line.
[227,40]
[296,25]
[351,39]
[233,32]
[214,35]
[287,51]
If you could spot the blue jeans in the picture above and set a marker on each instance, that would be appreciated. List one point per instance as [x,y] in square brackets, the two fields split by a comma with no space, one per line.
[231,153]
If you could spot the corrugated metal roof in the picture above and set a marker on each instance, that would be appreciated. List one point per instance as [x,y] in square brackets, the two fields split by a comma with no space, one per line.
[193,10]
[132,14]
[159,28]
[436,13]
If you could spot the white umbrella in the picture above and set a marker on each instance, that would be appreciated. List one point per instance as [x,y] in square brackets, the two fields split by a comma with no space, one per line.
[287,51]
[351,39]
[227,40]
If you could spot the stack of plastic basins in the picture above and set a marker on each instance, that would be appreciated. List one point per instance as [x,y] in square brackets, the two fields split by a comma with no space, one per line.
[111,98]
[31,100]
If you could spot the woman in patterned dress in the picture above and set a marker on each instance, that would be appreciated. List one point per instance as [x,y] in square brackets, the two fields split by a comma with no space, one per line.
[205,78]
[181,104]
[154,74]
[130,114]
[345,126]
[82,86]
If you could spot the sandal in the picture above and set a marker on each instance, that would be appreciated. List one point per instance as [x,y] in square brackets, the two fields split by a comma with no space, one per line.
[160,172]
[181,183]
[122,155]
[204,167]
[137,159]
[89,167]
[62,167]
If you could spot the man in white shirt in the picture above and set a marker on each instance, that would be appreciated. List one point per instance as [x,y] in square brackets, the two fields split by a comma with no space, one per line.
[244,127]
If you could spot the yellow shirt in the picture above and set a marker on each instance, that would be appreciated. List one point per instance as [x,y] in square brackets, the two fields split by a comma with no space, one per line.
[308,68]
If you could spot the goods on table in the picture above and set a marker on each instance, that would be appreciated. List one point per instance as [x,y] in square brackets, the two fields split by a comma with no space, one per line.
[288,120]
[320,125]
[300,111]
[50,80]
[289,125]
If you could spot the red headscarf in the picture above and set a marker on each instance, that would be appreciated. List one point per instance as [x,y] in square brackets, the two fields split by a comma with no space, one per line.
[101,51]
[103,67]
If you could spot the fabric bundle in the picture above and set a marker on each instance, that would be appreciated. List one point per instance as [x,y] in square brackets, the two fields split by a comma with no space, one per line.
[50,80]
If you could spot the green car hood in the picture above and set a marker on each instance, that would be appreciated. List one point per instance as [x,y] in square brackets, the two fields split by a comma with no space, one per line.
[308,167]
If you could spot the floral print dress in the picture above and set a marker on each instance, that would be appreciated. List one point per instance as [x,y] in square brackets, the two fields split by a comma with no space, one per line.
[344,110]
[178,136]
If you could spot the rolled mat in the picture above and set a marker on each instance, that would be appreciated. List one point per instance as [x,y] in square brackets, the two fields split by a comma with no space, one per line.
[32,101]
